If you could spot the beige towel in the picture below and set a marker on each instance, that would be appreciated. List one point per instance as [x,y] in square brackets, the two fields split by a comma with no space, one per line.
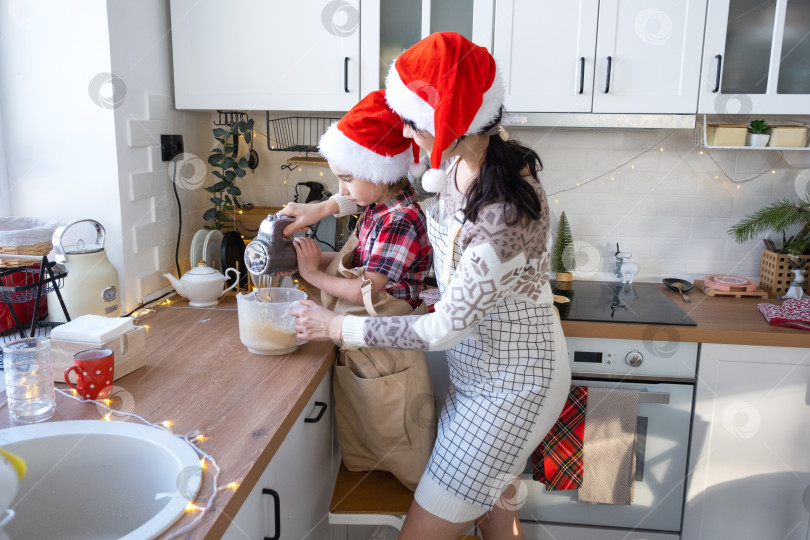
[609,446]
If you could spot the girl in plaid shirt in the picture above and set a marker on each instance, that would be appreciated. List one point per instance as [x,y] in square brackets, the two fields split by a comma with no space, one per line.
[370,157]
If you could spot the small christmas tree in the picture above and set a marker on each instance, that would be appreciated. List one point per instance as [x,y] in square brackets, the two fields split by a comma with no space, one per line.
[562,260]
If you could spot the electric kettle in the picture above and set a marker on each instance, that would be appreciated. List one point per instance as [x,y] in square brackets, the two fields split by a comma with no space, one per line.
[270,252]
[91,286]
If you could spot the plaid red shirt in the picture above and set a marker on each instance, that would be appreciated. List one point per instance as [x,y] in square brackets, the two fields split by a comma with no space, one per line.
[393,241]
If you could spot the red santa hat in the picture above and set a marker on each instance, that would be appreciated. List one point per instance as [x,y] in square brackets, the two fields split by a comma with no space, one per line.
[368,142]
[449,86]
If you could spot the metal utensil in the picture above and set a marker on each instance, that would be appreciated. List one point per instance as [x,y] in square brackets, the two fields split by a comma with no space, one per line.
[262,283]
[678,285]
[685,287]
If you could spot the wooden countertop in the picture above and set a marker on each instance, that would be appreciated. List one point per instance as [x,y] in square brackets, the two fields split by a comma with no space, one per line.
[725,320]
[200,376]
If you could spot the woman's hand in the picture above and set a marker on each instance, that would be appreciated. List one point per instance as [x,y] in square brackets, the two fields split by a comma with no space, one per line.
[308,253]
[314,323]
[307,214]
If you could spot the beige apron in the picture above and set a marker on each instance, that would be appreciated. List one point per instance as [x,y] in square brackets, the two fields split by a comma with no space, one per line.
[384,402]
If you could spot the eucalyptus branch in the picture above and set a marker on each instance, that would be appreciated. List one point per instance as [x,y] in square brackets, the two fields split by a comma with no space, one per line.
[227,169]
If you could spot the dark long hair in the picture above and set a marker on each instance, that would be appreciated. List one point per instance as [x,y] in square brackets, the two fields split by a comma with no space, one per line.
[499,180]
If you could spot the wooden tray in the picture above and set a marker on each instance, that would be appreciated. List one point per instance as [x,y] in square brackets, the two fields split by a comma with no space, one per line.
[759,293]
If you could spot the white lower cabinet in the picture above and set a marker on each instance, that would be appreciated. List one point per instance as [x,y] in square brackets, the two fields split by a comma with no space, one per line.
[291,499]
[750,455]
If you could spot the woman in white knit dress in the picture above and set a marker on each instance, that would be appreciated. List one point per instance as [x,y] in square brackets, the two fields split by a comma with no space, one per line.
[489,228]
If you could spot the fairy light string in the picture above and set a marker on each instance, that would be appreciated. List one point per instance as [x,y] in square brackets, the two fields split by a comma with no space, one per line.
[771,169]
[601,175]
[191,438]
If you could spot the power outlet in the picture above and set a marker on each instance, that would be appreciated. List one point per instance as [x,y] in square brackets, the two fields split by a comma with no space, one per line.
[170,146]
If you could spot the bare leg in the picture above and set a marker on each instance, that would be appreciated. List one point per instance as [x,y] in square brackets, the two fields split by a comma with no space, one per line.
[421,525]
[501,523]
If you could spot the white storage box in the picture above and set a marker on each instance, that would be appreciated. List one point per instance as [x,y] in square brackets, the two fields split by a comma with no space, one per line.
[129,350]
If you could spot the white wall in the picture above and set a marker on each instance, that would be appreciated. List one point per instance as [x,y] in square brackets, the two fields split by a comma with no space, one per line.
[60,145]
[75,149]
[5,195]
[140,41]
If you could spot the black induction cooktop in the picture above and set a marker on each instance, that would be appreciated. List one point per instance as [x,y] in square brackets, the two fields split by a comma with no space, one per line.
[603,301]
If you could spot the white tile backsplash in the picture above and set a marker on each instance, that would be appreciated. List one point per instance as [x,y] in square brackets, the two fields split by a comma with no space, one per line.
[147,184]
[161,107]
[668,208]
[690,206]
[146,132]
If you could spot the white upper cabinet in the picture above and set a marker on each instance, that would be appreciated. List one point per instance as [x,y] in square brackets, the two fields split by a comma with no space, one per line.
[608,56]
[266,54]
[545,50]
[391,26]
[755,58]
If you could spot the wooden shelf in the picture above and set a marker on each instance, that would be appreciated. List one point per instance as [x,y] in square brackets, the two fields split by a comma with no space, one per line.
[780,148]
[307,160]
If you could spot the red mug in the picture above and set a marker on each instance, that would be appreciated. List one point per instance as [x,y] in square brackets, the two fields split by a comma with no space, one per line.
[94,373]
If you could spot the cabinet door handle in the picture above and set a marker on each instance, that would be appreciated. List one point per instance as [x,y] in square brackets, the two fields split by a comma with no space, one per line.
[719,59]
[581,74]
[346,74]
[322,405]
[277,510]
[607,77]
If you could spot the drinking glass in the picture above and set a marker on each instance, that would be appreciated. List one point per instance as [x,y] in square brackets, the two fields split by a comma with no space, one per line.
[29,380]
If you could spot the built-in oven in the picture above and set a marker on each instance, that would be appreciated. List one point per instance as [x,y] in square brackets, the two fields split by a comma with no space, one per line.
[662,435]
[663,371]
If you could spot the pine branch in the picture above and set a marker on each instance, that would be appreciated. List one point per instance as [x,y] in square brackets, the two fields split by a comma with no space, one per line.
[779,216]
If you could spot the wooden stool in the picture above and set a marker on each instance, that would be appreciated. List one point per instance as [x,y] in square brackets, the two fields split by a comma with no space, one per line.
[370,498]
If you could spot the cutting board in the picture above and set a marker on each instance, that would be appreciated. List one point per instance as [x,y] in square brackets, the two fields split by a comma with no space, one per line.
[758,293]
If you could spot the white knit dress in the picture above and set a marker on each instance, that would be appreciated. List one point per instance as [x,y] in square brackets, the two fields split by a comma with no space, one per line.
[509,370]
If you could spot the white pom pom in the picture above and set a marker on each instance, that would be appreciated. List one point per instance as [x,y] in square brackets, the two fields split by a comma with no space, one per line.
[417,169]
[434,180]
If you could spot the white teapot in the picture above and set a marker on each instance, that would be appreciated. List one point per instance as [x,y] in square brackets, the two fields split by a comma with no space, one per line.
[202,285]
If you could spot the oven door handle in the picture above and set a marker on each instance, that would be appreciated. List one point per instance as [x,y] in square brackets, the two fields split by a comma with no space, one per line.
[654,397]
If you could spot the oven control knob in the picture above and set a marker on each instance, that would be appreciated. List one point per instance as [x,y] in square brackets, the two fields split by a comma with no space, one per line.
[634,358]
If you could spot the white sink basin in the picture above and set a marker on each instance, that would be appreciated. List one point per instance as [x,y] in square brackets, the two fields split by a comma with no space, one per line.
[93,479]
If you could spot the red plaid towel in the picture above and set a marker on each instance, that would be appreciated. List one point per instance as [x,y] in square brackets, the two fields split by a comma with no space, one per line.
[557,462]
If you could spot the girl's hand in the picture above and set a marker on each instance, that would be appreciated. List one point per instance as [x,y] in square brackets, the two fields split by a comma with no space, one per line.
[307,214]
[309,255]
[314,323]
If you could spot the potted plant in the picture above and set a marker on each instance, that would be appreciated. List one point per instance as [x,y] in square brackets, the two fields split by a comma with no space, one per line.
[774,273]
[227,168]
[758,133]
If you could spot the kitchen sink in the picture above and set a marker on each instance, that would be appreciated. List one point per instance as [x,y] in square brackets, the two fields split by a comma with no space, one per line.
[96,479]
